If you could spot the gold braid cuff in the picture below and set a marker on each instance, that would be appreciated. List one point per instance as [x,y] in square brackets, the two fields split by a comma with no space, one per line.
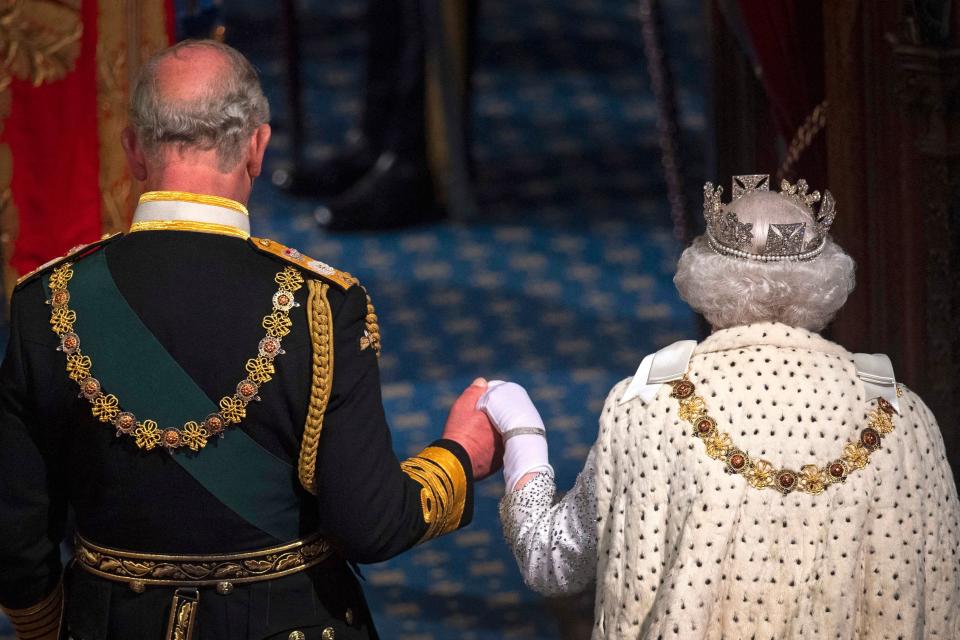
[320,325]
[443,495]
[41,621]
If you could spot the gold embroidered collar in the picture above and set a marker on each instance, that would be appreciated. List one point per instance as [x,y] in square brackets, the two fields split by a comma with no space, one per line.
[183,211]
[197,198]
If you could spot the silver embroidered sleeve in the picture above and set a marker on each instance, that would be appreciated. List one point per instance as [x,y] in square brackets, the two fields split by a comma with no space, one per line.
[554,540]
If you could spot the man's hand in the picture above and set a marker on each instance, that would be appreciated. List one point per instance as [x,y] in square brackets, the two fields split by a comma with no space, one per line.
[472,430]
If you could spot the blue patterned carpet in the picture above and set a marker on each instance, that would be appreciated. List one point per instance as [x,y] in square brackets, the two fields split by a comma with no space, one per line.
[563,284]
[565,312]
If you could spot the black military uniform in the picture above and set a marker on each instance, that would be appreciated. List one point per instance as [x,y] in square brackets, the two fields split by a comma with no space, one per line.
[267,560]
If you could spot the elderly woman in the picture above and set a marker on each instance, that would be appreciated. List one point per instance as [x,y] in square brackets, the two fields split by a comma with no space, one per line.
[764,483]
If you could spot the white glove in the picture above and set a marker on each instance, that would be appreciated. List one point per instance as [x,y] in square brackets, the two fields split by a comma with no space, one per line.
[524,437]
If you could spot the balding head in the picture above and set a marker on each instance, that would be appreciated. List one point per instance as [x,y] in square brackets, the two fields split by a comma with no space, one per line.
[198,95]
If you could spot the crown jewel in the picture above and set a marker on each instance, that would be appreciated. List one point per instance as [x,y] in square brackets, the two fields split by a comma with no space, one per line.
[729,236]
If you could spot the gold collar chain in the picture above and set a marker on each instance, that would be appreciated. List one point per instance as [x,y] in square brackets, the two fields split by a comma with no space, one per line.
[193,434]
[761,474]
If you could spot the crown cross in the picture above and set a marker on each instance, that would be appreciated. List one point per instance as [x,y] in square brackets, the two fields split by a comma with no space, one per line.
[748,184]
[784,239]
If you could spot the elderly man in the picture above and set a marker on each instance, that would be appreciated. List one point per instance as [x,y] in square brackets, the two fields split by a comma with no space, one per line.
[208,405]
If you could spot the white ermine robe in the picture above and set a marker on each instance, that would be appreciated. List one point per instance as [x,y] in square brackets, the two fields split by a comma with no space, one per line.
[681,549]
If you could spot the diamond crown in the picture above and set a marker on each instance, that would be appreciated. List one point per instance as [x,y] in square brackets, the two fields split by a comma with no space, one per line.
[729,236]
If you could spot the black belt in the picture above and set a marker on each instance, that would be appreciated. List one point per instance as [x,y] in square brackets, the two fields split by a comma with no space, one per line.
[188,572]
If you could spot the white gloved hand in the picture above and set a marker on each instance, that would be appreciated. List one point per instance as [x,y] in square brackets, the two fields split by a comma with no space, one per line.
[524,437]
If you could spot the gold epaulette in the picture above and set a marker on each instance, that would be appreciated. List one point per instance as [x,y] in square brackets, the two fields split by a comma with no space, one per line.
[79,251]
[340,278]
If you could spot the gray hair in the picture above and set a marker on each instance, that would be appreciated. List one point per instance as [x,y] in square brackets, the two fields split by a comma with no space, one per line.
[731,291]
[222,118]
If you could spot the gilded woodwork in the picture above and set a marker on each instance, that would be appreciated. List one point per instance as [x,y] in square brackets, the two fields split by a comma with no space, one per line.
[39,43]
[128,34]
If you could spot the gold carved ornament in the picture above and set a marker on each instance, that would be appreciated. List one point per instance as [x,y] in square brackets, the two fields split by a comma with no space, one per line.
[320,326]
[127,34]
[761,474]
[194,434]
[443,493]
[39,41]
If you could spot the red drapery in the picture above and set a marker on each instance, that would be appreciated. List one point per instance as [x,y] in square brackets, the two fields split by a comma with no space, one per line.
[52,133]
[787,39]
[68,183]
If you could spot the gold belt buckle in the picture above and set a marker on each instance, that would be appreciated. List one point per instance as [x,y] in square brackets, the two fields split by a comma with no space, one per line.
[183,614]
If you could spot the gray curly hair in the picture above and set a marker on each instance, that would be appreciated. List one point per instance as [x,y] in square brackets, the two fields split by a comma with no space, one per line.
[222,118]
[731,291]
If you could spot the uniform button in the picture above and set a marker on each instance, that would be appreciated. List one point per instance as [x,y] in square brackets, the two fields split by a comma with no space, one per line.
[224,587]
[297,635]
[348,616]
[328,634]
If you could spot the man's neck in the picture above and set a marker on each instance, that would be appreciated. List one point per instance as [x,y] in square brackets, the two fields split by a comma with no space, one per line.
[201,179]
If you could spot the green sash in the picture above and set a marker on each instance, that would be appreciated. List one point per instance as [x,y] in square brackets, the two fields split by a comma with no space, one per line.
[132,364]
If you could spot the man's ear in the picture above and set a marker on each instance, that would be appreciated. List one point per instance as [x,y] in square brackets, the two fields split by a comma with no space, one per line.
[258,146]
[134,152]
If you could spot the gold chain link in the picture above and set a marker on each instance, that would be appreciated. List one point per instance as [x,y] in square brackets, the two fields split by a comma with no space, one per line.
[761,474]
[193,434]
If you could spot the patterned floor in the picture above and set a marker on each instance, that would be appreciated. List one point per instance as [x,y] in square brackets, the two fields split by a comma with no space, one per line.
[563,284]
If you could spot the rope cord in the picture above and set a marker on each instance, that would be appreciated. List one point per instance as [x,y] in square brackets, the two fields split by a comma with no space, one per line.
[320,326]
